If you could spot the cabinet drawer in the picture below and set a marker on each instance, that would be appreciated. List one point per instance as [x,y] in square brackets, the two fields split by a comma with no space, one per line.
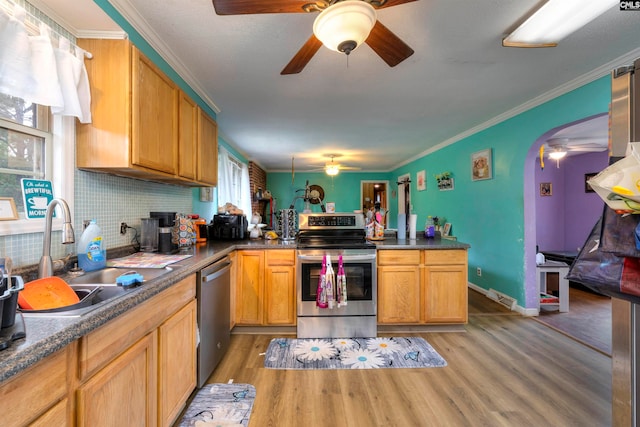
[444,257]
[399,257]
[105,343]
[280,256]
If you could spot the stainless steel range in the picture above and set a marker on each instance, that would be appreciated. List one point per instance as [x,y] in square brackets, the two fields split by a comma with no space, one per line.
[335,235]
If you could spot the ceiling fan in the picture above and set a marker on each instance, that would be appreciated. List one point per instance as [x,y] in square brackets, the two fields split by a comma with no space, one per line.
[332,168]
[342,25]
[559,147]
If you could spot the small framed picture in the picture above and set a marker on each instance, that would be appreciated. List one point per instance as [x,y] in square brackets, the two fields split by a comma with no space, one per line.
[447,229]
[545,189]
[422,180]
[8,209]
[587,187]
[481,165]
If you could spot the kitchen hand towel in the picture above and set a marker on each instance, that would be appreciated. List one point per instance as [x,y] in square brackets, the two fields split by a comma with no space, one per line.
[413,220]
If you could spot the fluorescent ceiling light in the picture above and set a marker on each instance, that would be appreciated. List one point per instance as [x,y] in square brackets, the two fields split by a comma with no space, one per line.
[555,20]
[345,25]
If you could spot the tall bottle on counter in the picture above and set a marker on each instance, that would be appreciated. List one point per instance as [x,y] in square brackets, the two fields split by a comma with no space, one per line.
[91,251]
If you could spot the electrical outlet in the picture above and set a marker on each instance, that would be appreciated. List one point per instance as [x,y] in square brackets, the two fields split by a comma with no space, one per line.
[123,228]
[479,271]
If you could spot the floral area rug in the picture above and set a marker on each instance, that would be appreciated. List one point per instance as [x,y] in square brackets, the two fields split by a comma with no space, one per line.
[220,405]
[352,353]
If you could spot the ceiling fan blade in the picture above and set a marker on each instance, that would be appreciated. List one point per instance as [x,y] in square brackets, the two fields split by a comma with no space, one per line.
[242,7]
[390,3]
[302,58]
[387,45]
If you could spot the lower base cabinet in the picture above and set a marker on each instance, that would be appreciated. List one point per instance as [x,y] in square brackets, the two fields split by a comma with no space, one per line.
[124,392]
[139,369]
[422,286]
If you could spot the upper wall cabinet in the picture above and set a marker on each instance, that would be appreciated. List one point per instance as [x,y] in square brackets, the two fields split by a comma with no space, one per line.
[143,126]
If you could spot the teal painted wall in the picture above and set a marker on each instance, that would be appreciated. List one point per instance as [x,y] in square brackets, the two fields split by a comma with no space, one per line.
[343,189]
[489,214]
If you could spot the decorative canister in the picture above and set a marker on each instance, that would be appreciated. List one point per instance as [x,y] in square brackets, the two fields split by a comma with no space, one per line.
[287,224]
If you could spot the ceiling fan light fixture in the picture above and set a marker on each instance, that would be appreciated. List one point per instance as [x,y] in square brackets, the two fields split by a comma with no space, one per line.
[554,21]
[332,169]
[344,26]
[557,154]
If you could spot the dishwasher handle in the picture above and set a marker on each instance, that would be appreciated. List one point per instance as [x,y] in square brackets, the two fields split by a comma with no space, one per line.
[216,270]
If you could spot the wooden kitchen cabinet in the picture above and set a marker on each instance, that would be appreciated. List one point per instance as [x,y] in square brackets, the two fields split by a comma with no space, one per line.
[143,126]
[399,286]
[177,362]
[125,391]
[445,286]
[422,286]
[38,395]
[150,350]
[207,149]
[266,287]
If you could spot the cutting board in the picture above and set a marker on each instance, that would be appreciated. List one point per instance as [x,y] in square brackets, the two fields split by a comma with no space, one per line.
[146,260]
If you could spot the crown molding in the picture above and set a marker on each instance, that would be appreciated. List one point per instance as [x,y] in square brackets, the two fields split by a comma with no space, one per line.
[134,18]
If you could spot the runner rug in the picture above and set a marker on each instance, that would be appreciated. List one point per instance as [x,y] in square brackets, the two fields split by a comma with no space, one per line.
[220,405]
[354,353]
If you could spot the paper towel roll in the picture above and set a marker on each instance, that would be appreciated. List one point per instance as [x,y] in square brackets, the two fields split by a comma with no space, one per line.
[402,226]
[413,220]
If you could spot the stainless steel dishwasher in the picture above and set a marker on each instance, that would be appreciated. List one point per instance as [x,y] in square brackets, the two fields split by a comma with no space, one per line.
[213,293]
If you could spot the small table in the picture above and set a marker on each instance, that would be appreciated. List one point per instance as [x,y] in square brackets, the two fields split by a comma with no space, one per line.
[563,284]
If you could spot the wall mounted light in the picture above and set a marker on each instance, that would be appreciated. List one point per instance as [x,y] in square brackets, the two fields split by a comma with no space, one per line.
[344,26]
[555,20]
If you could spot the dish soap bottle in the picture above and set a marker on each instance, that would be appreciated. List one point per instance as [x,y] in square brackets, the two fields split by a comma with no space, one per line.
[91,252]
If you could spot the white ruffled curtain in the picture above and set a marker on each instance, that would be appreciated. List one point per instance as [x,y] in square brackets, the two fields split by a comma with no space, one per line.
[33,69]
[226,185]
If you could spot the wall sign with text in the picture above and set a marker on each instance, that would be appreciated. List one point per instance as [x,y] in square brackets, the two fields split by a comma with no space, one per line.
[37,194]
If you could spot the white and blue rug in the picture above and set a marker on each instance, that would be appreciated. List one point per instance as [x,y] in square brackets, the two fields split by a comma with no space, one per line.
[351,353]
[220,405]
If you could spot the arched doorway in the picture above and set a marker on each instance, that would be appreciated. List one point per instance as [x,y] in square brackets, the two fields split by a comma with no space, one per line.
[534,218]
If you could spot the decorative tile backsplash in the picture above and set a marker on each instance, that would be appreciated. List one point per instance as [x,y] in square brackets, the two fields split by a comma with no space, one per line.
[109,200]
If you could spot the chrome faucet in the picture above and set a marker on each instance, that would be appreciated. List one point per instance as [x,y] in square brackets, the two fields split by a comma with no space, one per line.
[45,268]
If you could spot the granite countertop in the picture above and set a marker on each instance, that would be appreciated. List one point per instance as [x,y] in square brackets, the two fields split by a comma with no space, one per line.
[46,335]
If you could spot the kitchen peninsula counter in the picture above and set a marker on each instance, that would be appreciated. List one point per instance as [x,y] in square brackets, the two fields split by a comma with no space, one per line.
[47,335]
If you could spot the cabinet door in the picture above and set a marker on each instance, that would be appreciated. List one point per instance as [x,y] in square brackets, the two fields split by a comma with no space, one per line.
[399,294]
[250,296]
[187,137]
[207,150]
[445,294]
[154,122]
[56,416]
[125,392]
[177,363]
[280,301]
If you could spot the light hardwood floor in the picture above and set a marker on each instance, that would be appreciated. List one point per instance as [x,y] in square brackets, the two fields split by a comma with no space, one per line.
[505,370]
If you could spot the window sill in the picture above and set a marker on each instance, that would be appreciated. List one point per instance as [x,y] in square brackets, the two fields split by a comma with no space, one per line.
[24,226]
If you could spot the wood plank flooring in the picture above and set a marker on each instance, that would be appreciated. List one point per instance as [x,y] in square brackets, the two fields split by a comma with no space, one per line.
[505,370]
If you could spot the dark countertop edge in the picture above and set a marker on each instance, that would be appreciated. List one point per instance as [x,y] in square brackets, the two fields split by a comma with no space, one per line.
[46,335]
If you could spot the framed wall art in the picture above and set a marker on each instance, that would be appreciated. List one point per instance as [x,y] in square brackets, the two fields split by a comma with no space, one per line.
[587,187]
[422,180]
[8,209]
[481,165]
[545,189]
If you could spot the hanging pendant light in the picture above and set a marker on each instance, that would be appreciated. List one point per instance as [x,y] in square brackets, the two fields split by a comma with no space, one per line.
[344,26]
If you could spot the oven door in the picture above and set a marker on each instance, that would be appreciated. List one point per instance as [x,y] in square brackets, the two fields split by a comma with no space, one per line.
[360,271]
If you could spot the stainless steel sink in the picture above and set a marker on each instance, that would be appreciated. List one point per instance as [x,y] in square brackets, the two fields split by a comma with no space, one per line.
[104,279]
[108,276]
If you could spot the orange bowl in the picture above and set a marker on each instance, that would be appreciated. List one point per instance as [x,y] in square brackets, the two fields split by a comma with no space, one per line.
[45,293]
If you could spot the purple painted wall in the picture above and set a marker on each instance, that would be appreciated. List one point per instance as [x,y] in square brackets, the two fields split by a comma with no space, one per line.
[565,218]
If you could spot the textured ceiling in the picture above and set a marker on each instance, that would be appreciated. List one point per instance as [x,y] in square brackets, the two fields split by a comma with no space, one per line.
[459,79]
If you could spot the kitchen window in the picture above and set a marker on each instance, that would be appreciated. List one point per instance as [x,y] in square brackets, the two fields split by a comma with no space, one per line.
[233,182]
[33,144]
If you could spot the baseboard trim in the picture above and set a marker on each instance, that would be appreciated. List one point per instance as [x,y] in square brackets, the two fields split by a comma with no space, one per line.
[517,308]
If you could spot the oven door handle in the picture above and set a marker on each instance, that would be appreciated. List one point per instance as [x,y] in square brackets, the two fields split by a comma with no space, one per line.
[345,258]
